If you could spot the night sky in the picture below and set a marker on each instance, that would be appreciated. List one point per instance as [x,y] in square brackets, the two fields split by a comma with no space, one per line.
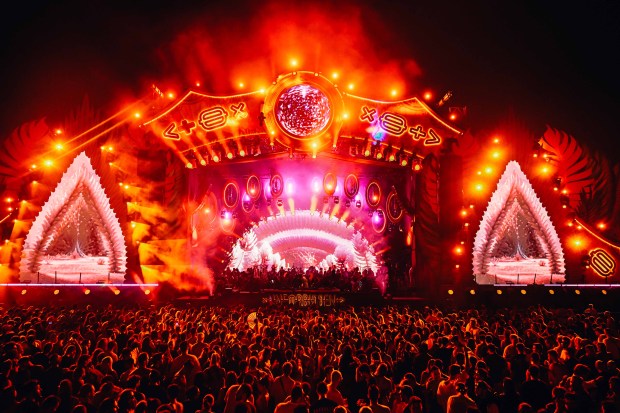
[546,62]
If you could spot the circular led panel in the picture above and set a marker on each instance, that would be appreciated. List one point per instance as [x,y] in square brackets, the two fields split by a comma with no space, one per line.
[303,111]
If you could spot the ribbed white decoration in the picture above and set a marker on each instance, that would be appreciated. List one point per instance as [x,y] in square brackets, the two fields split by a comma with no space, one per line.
[305,229]
[501,206]
[79,187]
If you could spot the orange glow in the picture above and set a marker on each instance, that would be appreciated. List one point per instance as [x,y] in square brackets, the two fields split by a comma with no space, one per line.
[453,117]
[472,292]
[294,62]
[117,292]
[577,243]
[496,140]
[229,155]
[499,292]
[216,158]
[9,200]
[170,95]
[488,170]
[345,115]
[367,152]
[242,153]
[417,167]
[457,266]
[428,96]
[601,225]
[48,162]
[58,131]
[335,75]
[33,166]
[479,173]
[351,86]
[458,250]
[403,162]
[450,292]
[478,187]
[56,292]
[137,115]
[495,155]
[147,292]
[86,291]
[523,292]
[544,169]
[463,212]
[59,147]
[197,84]
[551,292]
[24,292]
[394,92]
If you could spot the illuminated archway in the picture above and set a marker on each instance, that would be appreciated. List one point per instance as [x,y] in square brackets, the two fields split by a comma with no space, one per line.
[304,239]
[516,240]
[76,234]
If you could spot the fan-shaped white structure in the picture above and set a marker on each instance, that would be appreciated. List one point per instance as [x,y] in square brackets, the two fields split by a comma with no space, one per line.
[515,209]
[79,193]
[304,239]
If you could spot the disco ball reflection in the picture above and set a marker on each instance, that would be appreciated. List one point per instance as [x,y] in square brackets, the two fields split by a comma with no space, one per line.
[303,111]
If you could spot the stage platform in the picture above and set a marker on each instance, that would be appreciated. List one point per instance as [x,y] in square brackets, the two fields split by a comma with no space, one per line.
[500,295]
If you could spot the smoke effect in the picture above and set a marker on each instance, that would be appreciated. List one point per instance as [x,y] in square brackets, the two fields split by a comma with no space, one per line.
[223,50]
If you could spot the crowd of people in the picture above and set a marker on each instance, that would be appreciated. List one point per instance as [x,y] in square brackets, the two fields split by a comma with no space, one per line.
[335,277]
[389,359]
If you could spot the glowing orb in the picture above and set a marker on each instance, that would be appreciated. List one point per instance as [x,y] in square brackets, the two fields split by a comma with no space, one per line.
[303,111]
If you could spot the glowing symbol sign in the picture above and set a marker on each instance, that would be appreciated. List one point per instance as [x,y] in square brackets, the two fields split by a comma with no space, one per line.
[213,118]
[239,111]
[396,125]
[393,124]
[170,132]
[602,262]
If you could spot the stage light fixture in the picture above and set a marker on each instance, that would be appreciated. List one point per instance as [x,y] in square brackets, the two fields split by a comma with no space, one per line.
[604,292]
[551,292]
[336,200]
[56,292]
[523,292]
[24,291]
[280,203]
[325,200]
[147,291]
[472,292]
[358,203]
[577,291]
[450,292]
[347,203]
[86,291]
[499,292]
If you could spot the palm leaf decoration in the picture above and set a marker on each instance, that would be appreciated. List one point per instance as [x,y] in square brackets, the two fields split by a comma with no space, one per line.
[587,176]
